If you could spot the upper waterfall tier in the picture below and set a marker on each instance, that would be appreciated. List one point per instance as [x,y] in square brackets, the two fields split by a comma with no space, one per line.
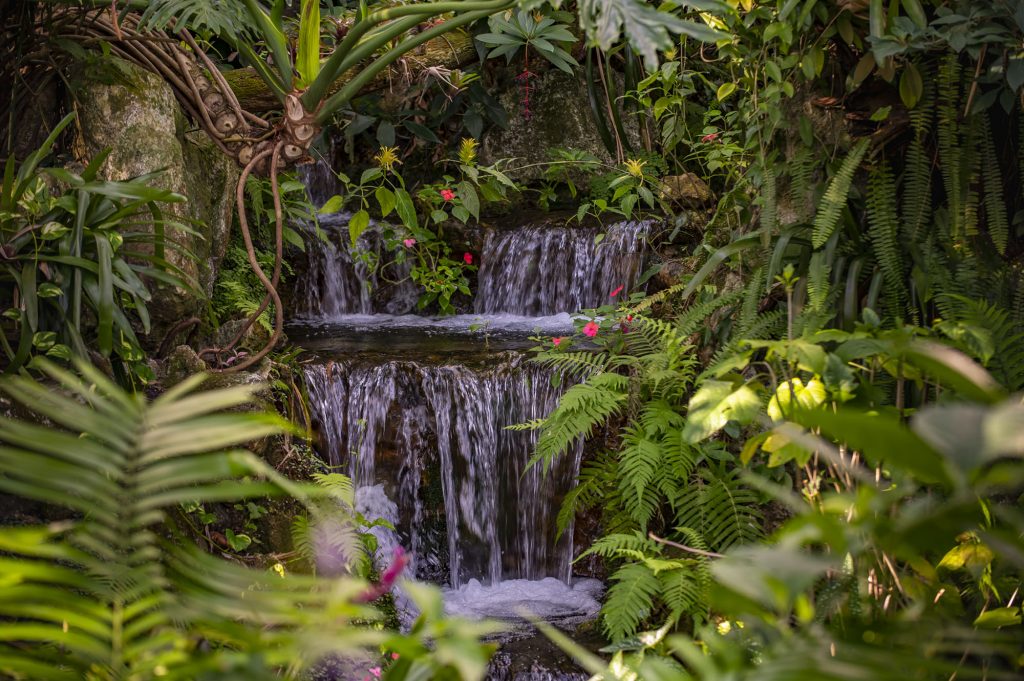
[538,269]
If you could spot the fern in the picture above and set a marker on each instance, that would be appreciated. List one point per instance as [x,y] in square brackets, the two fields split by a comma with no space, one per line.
[948,135]
[1006,351]
[995,203]
[696,316]
[769,202]
[630,600]
[917,170]
[582,408]
[834,200]
[818,282]
[719,508]
[801,182]
[884,234]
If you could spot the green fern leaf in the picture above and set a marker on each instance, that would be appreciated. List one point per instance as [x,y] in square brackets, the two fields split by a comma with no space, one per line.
[834,201]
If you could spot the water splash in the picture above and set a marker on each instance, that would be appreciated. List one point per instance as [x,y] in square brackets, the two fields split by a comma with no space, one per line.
[544,269]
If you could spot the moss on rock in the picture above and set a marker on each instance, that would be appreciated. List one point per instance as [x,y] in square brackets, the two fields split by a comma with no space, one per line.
[139,120]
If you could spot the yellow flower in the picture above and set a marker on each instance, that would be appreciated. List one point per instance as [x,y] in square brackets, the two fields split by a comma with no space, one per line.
[635,167]
[279,569]
[467,151]
[387,158]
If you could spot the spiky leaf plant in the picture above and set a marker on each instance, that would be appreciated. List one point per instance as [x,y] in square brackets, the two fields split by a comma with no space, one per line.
[115,593]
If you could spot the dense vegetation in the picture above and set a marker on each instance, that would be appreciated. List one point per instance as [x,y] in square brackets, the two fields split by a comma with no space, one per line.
[804,450]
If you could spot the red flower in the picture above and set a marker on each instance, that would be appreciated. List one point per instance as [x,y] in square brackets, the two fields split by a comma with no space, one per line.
[629,318]
[557,341]
[617,291]
[467,258]
[590,329]
[447,194]
[709,138]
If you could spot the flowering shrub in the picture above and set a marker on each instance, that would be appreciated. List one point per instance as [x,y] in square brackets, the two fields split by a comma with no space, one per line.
[419,237]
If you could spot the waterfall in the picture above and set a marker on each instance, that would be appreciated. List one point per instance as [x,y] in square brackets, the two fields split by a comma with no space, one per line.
[435,437]
[545,269]
[340,280]
[534,270]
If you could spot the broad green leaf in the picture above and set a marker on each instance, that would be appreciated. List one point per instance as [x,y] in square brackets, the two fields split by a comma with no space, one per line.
[357,225]
[715,404]
[467,193]
[386,200]
[406,209]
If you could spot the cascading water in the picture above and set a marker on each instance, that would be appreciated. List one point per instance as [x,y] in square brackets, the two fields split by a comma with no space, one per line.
[416,411]
[545,269]
[398,423]
[536,270]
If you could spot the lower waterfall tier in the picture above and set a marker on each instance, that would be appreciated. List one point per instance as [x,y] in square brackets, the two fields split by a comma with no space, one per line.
[432,437]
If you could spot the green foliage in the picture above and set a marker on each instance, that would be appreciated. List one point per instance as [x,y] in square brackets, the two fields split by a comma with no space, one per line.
[116,594]
[521,30]
[651,479]
[834,201]
[81,255]
[218,17]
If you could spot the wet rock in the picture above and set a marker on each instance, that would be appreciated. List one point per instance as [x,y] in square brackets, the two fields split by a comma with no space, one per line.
[139,120]
[686,190]
[182,363]
[253,339]
[559,118]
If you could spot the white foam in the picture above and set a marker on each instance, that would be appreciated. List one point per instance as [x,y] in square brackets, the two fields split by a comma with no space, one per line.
[548,599]
[473,324]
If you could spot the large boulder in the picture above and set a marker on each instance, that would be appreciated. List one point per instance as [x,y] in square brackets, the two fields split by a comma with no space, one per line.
[140,121]
[560,118]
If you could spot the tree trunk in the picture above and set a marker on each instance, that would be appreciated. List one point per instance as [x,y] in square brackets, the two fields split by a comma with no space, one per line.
[449,52]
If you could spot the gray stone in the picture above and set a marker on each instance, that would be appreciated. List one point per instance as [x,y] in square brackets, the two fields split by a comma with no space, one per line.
[560,118]
[686,190]
[139,119]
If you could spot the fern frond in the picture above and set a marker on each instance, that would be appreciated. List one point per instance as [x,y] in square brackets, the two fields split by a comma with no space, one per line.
[582,408]
[834,200]
[917,170]
[696,316]
[719,507]
[635,546]
[995,202]
[948,135]
[818,287]
[884,234]
[630,600]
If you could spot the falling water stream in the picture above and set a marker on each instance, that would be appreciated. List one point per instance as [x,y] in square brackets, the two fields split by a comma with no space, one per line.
[416,410]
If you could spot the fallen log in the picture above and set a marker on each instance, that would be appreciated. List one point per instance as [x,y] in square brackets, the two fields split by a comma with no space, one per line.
[449,52]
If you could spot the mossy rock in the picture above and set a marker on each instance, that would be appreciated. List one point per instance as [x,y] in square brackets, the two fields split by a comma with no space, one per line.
[559,118]
[139,120]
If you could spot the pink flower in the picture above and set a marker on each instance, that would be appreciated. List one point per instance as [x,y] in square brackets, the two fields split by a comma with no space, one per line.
[467,258]
[387,580]
[709,138]
[394,656]
[376,672]
[590,329]
[447,194]
[557,341]
[409,243]
[617,291]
